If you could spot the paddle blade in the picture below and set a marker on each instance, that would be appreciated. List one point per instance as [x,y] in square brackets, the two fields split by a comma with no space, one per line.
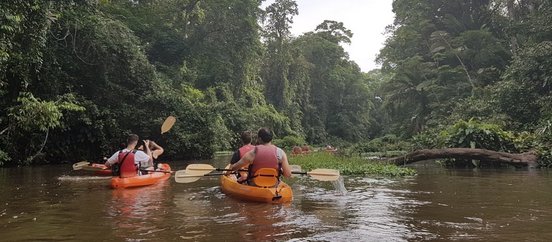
[324,174]
[94,167]
[80,165]
[186,178]
[180,173]
[199,169]
[167,125]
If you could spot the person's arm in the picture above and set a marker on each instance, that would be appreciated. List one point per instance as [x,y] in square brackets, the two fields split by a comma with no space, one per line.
[247,159]
[286,168]
[148,152]
[112,160]
[157,150]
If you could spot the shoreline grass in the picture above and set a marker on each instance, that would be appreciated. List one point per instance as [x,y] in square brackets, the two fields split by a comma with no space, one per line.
[349,165]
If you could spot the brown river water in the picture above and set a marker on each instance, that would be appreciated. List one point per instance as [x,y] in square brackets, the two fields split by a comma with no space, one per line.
[56,203]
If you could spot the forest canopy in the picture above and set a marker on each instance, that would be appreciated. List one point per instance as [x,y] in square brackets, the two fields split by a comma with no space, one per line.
[77,76]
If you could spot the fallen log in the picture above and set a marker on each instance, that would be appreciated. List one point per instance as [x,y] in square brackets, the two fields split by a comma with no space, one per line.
[523,159]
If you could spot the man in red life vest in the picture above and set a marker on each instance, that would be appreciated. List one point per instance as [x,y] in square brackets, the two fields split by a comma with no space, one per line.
[264,155]
[238,154]
[129,160]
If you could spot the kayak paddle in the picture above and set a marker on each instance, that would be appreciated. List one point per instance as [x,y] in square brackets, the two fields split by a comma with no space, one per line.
[201,169]
[317,174]
[171,172]
[80,165]
[189,178]
[167,125]
[87,166]
[321,174]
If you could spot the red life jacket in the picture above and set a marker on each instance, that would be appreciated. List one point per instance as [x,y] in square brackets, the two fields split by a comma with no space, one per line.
[244,149]
[127,166]
[265,157]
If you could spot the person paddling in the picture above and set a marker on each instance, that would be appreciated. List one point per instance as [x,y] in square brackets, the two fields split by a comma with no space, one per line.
[156,151]
[128,161]
[264,155]
[239,153]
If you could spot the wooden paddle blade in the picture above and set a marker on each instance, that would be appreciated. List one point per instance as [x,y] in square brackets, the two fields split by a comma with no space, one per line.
[80,165]
[167,125]
[324,174]
[94,167]
[180,173]
[183,177]
[186,178]
[199,169]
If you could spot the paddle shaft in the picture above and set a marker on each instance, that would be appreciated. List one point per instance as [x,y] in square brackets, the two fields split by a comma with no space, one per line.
[215,169]
[158,171]
[312,173]
[210,174]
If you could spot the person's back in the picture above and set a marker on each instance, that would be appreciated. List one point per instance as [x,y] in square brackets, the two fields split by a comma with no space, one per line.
[266,156]
[239,153]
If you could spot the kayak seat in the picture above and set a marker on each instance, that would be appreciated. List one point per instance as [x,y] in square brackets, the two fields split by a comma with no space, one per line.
[265,177]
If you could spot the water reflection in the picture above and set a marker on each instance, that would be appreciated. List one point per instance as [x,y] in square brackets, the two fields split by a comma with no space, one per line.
[138,213]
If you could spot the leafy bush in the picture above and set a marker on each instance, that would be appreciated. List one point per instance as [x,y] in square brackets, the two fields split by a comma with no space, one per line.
[542,143]
[382,144]
[289,141]
[429,139]
[4,157]
[473,134]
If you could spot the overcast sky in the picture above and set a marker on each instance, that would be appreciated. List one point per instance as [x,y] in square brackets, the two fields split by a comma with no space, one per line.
[367,20]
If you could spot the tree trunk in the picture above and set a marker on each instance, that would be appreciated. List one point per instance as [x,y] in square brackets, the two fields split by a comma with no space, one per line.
[524,159]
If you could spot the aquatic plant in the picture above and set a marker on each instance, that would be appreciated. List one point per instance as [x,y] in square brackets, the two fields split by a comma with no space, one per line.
[349,165]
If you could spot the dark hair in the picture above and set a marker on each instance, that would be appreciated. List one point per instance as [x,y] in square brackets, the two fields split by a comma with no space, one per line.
[132,138]
[140,144]
[246,137]
[265,135]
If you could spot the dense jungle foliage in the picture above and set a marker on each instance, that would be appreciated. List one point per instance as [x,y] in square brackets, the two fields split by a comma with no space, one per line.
[77,76]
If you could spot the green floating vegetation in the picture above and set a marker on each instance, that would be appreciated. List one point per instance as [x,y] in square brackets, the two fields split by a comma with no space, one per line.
[349,165]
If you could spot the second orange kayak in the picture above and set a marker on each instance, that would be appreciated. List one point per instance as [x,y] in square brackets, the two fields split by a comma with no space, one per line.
[144,180]
[280,194]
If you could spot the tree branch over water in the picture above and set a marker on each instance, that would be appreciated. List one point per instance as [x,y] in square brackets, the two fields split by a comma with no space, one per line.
[527,158]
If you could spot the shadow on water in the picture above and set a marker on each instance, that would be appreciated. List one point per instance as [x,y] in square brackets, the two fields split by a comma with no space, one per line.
[51,203]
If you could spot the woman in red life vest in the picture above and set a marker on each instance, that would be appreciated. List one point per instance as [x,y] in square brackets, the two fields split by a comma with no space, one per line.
[238,154]
[129,160]
[264,155]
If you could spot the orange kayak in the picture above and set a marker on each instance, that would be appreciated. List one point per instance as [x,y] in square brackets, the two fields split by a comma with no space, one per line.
[144,180]
[280,194]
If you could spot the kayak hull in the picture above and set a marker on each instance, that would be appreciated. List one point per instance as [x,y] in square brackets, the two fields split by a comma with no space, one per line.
[143,180]
[280,194]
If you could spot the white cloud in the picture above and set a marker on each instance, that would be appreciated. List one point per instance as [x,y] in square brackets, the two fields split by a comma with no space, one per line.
[367,20]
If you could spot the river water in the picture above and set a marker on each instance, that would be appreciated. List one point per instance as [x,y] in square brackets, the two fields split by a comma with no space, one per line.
[55,203]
